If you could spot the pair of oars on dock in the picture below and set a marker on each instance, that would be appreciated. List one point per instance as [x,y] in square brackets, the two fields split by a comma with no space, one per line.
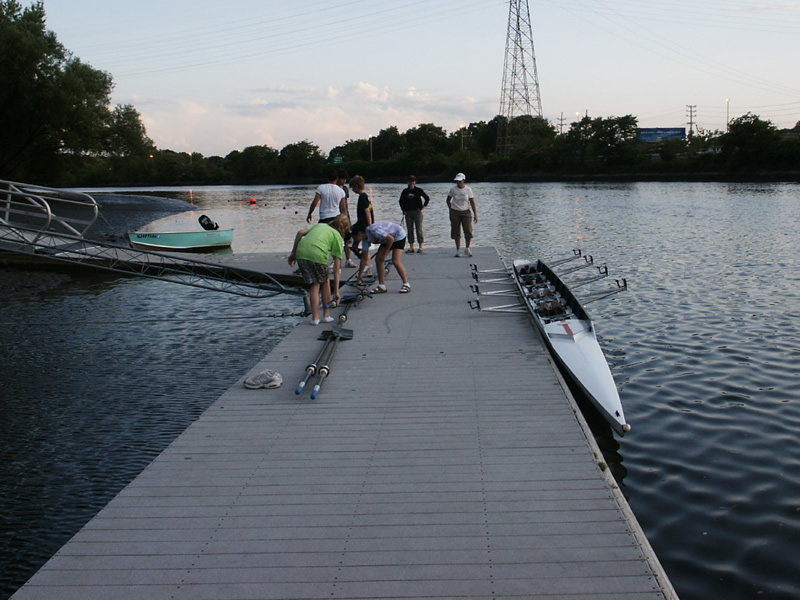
[332,337]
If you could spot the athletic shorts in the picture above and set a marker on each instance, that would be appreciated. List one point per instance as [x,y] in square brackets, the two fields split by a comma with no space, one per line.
[460,219]
[399,244]
[312,272]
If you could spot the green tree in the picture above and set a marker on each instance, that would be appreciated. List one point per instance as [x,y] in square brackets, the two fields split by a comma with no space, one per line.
[750,142]
[388,143]
[610,140]
[254,164]
[426,139]
[54,107]
[352,150]
[614,136]
[126,133]
[579,139]
[534,141]
[482,136]
[302,160]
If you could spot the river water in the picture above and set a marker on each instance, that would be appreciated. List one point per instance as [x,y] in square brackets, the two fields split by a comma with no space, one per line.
[98,376]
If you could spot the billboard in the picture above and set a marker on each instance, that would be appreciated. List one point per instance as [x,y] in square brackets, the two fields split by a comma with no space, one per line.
[659,134]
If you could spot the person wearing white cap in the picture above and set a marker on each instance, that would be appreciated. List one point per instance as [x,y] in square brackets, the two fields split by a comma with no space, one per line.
[459,200]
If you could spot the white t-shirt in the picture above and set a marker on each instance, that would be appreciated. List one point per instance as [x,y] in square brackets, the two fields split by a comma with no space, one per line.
[331,196]
[460,197]
[377,232]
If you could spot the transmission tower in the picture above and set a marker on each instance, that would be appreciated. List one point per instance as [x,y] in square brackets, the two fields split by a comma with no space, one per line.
[520,94]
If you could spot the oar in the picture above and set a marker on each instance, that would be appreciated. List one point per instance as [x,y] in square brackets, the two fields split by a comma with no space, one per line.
[349,280]
[312,368]
[351,301]
[337,333]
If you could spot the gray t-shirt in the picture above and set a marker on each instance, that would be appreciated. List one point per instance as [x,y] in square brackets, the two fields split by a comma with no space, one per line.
[460,197]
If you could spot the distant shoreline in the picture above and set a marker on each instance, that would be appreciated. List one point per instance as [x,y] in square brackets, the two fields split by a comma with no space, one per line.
[600,177]
[680,177]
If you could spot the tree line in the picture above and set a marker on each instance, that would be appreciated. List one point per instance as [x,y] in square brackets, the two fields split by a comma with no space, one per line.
[59,129]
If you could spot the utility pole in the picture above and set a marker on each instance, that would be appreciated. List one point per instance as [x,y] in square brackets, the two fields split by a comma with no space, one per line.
[561,124]
[519,96]
[692,112]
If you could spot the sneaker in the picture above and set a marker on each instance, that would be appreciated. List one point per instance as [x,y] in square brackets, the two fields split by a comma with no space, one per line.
[350,264]
[467,252]
[410,251]
[458,253]
[328,319]
[314,321]
[265,379]
[420,251]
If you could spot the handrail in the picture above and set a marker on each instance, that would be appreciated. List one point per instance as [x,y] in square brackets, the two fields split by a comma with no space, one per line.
[49,209]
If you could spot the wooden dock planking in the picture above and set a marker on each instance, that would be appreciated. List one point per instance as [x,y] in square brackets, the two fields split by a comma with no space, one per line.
[443,458]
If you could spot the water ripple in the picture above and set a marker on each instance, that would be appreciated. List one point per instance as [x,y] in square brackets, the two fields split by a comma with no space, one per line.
[704,347]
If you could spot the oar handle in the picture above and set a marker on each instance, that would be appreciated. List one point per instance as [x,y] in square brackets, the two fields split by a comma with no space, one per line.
[323,373]
[310,370]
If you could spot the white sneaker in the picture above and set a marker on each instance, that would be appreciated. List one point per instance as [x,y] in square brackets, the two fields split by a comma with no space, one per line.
[458,253]
[467,252]
[350,264]
[265,379]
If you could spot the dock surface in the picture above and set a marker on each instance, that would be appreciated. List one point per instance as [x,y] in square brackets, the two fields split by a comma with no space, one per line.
[443,458]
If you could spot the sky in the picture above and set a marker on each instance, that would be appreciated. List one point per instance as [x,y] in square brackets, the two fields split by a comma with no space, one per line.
[213,76]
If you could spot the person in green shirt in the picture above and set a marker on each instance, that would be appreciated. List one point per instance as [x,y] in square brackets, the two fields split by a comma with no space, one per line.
[311,250]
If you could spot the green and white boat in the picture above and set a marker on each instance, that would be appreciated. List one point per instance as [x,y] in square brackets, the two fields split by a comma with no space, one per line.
[182,241]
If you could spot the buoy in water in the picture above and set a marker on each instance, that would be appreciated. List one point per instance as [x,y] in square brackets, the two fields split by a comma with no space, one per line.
[252,200]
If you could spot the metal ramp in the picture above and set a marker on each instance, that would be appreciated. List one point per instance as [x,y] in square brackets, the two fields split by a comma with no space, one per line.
[46,209]
[30,225]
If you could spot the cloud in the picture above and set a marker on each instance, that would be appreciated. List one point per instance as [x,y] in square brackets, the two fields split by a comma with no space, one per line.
[281,115]
[371,93]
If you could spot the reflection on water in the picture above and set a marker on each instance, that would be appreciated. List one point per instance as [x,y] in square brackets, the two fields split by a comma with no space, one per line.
[704,347]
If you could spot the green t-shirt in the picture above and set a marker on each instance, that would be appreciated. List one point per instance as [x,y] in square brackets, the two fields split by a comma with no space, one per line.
[320,240]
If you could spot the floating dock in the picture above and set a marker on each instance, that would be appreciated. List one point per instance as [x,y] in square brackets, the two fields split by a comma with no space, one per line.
[444,457]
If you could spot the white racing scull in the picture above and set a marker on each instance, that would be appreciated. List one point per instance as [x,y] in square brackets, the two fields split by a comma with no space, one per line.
[569,334]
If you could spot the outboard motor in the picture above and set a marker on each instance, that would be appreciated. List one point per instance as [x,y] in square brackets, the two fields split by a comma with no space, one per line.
[207,223]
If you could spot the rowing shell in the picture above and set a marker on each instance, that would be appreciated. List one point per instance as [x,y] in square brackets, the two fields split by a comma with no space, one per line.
[569,334]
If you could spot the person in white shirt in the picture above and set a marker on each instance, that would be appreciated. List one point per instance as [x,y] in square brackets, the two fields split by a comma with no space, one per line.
[459,201]
[329,197]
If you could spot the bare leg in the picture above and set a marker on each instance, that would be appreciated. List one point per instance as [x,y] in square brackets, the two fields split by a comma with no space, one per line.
[326,299]
[380,264]
[397,261]
[315,299]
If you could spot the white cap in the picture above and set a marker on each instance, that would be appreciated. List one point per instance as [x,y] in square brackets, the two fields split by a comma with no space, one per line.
[460,177]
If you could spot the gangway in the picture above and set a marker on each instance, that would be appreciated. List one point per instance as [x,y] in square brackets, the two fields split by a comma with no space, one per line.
[145,263]
[46,209]
[30,225]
